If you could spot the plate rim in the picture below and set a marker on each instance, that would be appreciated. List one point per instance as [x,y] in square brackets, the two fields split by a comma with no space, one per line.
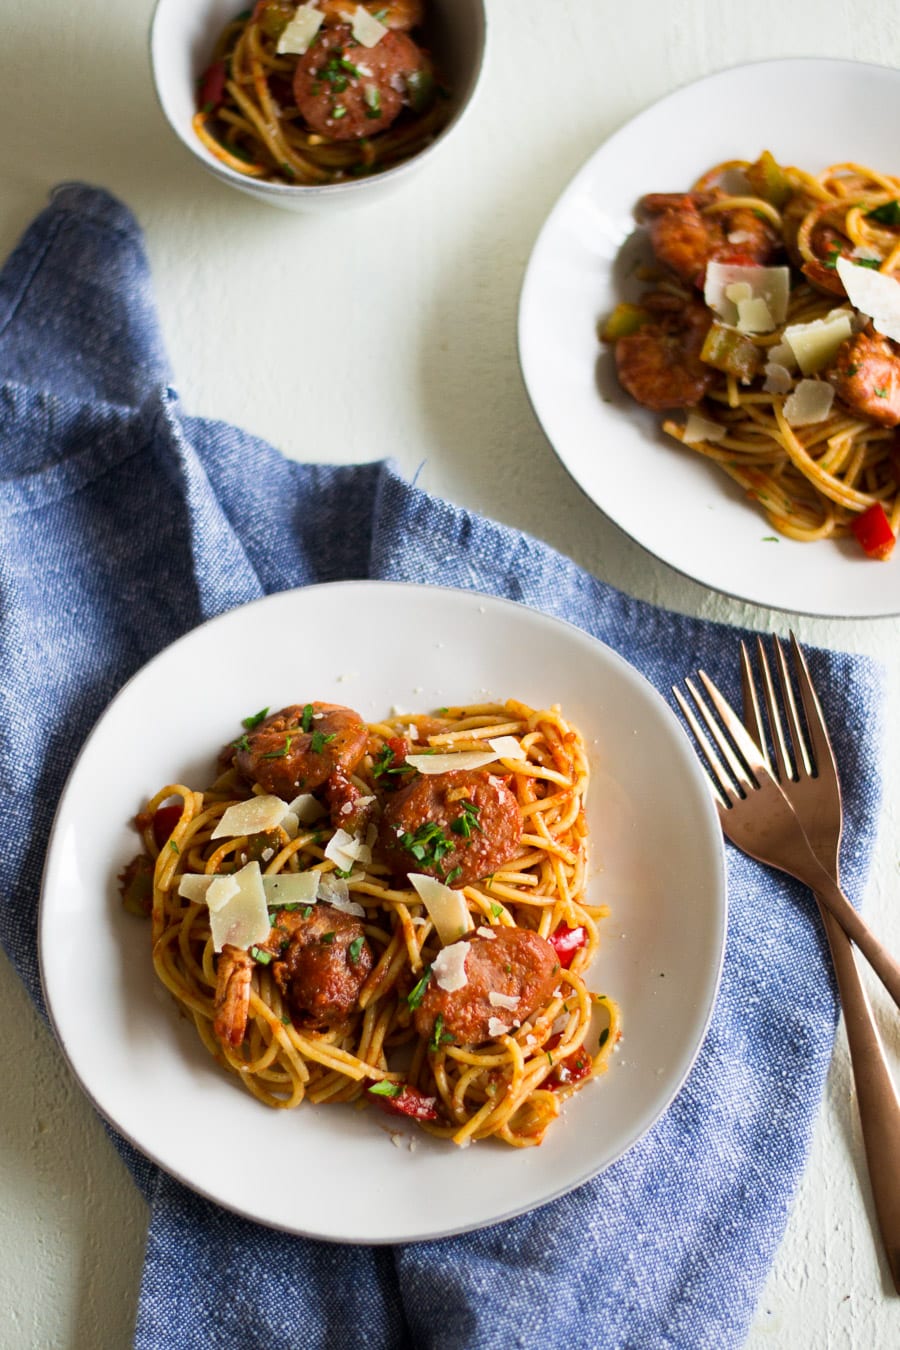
[714,976]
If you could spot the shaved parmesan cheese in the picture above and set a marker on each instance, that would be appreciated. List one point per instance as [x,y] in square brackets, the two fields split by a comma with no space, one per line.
[738,291]
[508,1001]
[306,808]
[741,237]
[297,37]
[292,888]
[810,402]
[875,294]
[489,933]
[345,849]
[449,967]
[335,891]
[250,817]
[497,1028]
[698,428]
[778,378]
[815,344]
[446,908]
[754,316]
[243,919]
[220,891]
[461,760]
[507,747]
[366,28]
[771,284]
[193,887]
[782,354]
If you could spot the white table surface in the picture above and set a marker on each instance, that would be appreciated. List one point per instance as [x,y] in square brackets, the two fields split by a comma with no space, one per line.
[263,314]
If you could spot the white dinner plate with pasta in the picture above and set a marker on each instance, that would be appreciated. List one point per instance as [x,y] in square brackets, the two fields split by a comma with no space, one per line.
[771,422]
[336,946]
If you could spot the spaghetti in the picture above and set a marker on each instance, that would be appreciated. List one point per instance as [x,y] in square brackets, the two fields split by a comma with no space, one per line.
[456,1001]
[355,96]
[822,462]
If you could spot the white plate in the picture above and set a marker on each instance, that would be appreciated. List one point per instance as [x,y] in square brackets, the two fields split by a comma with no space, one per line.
[681,508]
[657,861]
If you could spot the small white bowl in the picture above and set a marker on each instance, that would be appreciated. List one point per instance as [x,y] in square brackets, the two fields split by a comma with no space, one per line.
[182,36]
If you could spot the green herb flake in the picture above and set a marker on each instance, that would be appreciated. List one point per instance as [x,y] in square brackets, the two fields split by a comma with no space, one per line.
[881,393]
[372,100]
[241,743]
[279,754]
[355,948]
[385,1089]
[467,820]
[338,111]
[417,993]
[437,1033]
[327,938]
[306,717]
[318,741]
[496,911]
[248,723]
[604,1037]
[886,214]
[261,956]
[173,846]
[428,844]
[308,911]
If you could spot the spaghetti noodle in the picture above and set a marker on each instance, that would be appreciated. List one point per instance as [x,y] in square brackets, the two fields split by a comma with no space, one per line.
[454,1000]
[342,101]
[821,462]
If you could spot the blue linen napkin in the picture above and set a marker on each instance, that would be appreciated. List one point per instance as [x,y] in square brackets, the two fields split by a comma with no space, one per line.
[123,524]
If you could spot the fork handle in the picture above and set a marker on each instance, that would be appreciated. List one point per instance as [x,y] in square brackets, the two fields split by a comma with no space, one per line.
[876,1096]
[832,897]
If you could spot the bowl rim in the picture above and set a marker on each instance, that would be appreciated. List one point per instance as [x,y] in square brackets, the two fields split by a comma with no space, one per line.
[262,187]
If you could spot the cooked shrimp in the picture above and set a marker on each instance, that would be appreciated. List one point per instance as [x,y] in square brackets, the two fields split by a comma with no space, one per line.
[866,377]
[233,972]
[659,365]
[686,234]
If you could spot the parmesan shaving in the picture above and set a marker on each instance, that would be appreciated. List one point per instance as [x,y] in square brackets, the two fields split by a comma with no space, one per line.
[345,849]
[449,967]
[219,892]
[243,920]
[507,747]
[366,28]
[296,38]
[306,808]
[754,316]
[462,760]
[508,1001]
[447,908]
[253,816]
[778,378]
[814,344]
[771,284]
[698,428]
[488,933]
[496,1028]
[873,293]
[810,402]
[335,891]
[292,888]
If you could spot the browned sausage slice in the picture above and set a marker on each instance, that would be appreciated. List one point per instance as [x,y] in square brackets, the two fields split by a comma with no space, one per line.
[346,91]
[323,961]
[297,749]
[457,826]
[515,964]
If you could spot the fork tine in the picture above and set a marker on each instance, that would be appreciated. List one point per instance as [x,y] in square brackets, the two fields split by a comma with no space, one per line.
[745,743]
[783,764]
[798,738]
[750,704]
[819,740]
[719,781]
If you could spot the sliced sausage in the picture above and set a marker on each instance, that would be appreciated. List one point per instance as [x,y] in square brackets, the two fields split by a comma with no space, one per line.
[403,14]
[458,826]
[322,960]
[515,963]
[346,91]
[297,749]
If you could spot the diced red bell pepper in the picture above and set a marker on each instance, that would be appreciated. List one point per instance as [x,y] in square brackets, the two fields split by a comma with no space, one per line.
[566,941]
[211,90]
[406,1101]
[874,533]
[573,1069]
[165,818]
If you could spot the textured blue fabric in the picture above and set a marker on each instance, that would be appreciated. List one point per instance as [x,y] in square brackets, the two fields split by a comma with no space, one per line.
[124,523]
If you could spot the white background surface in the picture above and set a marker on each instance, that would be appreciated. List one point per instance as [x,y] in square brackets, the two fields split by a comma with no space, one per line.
[265,315]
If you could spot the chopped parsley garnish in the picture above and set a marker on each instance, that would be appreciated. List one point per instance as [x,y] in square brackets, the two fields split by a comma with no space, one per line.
[279,754]
[417,993]
[259,955]
[241,743]
[604,1037]
[385,1089]
[428,844]
[453,874]
[383,762]
[327,938]
[248,723]
[306,717]
[173,846]
[318,741]
[372,100]
[851,370]
[881,393]
[549,1056]
[886,214]
[467,820]
[338,111]
[308,911]
[438,1034]
[355,948]
[496,911]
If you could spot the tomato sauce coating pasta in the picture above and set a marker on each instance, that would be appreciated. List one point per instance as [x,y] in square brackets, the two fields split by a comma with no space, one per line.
[425,932]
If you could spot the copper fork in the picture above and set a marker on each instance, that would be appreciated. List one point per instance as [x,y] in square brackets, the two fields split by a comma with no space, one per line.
[757,816]
[805,768]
